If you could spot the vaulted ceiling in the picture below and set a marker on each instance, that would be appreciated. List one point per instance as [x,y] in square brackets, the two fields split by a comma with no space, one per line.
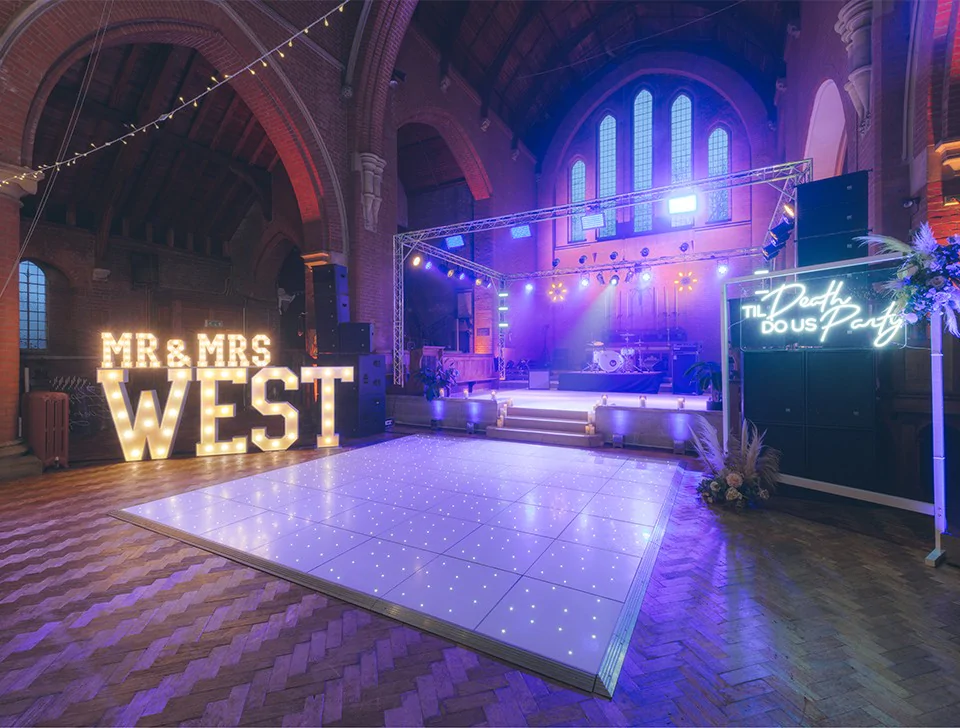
[424,161]
[197,175]
[530,60]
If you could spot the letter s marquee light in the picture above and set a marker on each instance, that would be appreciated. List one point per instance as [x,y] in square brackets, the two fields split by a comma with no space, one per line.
[154,430]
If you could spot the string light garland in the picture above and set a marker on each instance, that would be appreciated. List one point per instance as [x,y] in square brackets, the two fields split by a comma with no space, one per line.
[184,103]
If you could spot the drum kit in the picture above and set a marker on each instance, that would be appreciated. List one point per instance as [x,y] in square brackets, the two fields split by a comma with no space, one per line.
[611,360]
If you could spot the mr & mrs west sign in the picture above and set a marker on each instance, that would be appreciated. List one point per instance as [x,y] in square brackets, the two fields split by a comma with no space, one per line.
[221,358]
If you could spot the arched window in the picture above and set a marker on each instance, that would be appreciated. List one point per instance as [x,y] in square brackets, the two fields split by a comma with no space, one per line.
[578,193]
[607,173]
[718,163]
[643,158]
[681,148]
[33,306]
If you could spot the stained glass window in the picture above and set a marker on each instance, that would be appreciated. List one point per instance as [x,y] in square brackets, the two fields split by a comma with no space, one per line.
[681,148]
[33,306]
[718,163]
[643,158]
[607,174]
[578,193]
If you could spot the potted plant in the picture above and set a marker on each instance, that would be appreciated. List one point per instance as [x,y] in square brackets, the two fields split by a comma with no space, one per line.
[745,475]
[436,379]
[709,378]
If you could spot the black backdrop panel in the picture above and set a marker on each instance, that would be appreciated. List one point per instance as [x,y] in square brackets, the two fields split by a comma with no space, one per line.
[841,389]
[844,457]
[773,390]
[790,440]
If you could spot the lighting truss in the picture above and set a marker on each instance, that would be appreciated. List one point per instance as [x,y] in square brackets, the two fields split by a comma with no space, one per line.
[626,265]
[798,172]
[784,177]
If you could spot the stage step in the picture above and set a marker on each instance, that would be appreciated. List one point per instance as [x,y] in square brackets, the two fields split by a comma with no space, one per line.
[543,423]
[545,437]
[547,414]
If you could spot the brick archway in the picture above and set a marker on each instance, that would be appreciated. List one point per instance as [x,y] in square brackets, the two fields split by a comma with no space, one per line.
[67,29]
[460,144]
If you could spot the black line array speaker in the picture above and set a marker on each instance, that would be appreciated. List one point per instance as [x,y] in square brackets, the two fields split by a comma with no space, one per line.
[331,304]
[356,338]
[819,409]
[830,214]
[361,405]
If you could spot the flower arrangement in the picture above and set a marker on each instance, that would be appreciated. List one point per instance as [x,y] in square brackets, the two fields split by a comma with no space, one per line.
[745,475]
[928,280]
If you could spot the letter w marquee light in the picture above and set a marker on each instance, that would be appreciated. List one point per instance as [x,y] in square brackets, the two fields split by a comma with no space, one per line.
[152,429]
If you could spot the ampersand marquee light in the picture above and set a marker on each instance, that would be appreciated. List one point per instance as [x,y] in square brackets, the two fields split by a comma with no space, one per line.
[224,358]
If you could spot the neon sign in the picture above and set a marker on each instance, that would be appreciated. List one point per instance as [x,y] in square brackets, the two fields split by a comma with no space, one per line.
[791,309]
[224,358]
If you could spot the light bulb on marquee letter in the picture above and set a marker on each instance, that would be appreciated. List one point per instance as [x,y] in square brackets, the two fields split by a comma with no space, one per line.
[327,376]
[211,412]
[291,418]
[237,350]
[149,427]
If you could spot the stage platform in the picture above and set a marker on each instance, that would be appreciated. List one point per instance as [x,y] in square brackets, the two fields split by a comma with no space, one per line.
[553,399]
[539,556]
[637,382]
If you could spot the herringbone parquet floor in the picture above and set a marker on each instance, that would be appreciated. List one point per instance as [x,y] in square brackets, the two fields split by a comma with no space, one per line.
[760,619]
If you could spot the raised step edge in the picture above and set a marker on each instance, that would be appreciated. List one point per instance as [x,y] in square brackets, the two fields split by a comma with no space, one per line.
[530,412]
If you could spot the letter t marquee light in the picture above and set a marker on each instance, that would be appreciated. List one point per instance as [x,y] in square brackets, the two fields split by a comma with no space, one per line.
[327,377]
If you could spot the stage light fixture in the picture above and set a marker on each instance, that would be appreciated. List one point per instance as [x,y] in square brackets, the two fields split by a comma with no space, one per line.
[684,246]
[646,275]
[629,276]
[489,283]
[684,281]
[777,237]
[478,281]
[584,280]
[557,292]
[462,275]
[528,287]
[615,280]
[723,267]
[789,211]
[600,279]
[428,265]
[416,260]
[613,255]
[683,205]
[520,231]
[761,271]
[503,294]
[451,272]
[582,260]
[645,252]
[592,222]
[454,241]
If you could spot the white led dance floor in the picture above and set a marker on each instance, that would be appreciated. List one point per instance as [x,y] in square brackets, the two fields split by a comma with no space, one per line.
[538,555]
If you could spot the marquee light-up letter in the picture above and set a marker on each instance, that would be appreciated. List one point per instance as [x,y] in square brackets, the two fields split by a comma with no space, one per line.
[146,351]
[149,427]
[122,348]
[291,418]
[176,356]
[261,354]
[327,377]
[237,350]
[211,412]
[206,347]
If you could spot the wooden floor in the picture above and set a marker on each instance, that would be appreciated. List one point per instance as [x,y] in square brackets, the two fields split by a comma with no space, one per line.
[758,619]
